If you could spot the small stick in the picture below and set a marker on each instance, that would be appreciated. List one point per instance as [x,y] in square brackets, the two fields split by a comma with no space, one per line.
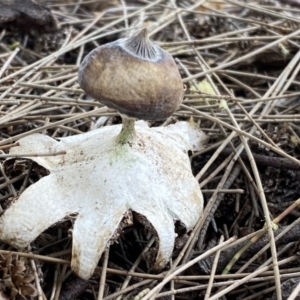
[264,160]
[244,57]
[241,132]
[227,191]
[261,233]
[54,286]
[9,60]
[60,281]
[228,178]
[25,182]
[264,206]
[281,251]
[103,275]
[171,284]
[8,182]
[135,265]
[295,292]
[215,172]
[52,125]
[41,295]
[208,253]
[33,154]
[213,271]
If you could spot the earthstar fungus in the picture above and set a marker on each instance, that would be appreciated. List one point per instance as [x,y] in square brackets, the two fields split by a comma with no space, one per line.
[109,171]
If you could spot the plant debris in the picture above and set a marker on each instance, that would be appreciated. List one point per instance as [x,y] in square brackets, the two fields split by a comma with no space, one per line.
[247,52]
[16,279]
[26,15]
